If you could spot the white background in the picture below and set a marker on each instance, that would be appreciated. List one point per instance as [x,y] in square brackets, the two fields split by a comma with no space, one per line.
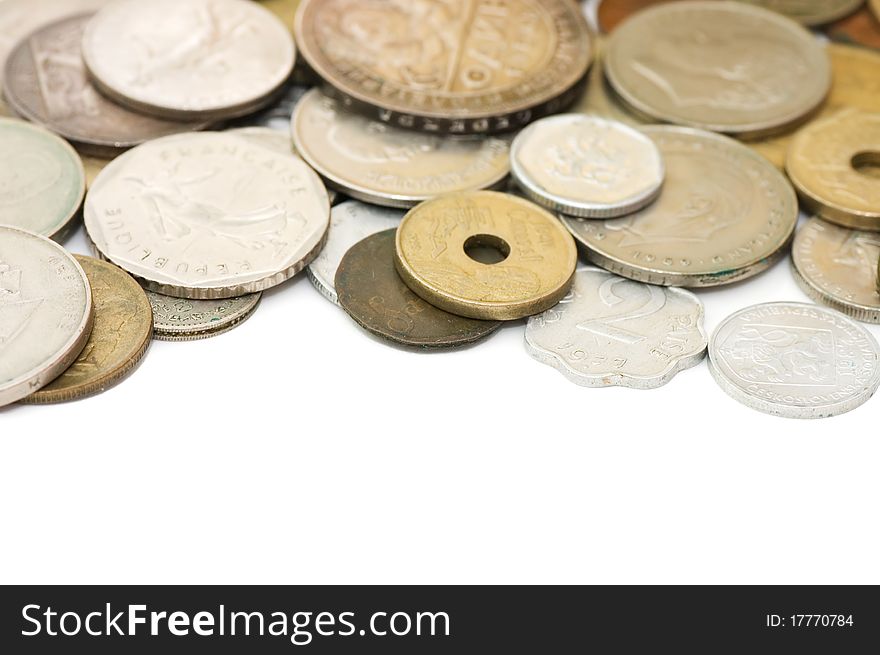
[298,449]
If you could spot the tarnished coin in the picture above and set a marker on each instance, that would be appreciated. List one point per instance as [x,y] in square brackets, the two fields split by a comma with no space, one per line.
[532,256]
[461,68]
[180,319]
[609,331]
[45,312]
[832,164]
[42,181]
[386,165]
[117,343]
[722,66]
[587,166]
[724,214]
[195,60]
[46,82]
[810,12]
[611,13]
[207,215]
[350,222]
[373,294]
[795,360]
[837,267]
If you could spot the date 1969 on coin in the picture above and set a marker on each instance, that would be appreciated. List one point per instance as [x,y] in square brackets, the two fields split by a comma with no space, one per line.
[809,621]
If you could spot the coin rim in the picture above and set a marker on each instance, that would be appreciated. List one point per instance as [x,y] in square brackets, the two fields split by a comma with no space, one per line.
[170,334]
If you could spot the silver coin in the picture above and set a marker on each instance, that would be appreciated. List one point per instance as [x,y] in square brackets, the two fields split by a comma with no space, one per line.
[200,59]
[207,215]
[42,180]
[837,267]
[276,116]
[46,312]
[795,360]
[180,319]
[587,166]
[610,331]
[350,222]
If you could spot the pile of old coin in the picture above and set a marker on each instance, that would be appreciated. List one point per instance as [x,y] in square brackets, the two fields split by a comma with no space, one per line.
[481,145]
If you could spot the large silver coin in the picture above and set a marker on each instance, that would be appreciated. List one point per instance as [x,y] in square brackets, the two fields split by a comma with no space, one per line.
[795,360]
[350,222]
[42,180]
[200,59]
[45,312]
[587,166]
[610,331]
[207,215]
[181,319]
[387,165]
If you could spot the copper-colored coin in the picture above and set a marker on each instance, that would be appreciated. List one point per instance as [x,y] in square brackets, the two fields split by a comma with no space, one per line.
[613,12]
[437,255]
[119,338]
[810,12]
[372,293]
[467,67]
[46,82]
[860,28]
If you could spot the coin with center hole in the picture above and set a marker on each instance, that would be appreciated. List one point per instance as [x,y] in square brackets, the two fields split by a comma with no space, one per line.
[118,341]
[485,255]
[372,293]
[181,319]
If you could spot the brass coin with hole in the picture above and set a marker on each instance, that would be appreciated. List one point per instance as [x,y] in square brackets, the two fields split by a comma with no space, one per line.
[835,166]
[485,255]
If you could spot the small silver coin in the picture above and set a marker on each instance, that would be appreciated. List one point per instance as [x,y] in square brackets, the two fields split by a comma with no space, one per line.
[795,360]
[180,319]
[46,312]
[350,222]
[610,331]
[277,115]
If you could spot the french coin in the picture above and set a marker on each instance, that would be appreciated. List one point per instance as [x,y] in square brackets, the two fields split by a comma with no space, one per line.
[587,166]
[207,215]
[795,360]
[45,312]
[610,331]
[459,68]
[20,18]
[118,341]
[722,66]
[196,60]
[837,267]
[372,293]
[46,82]
[833,164]
[724,214]
[350,222]
[611,13]
[810,12]
[386,165]
[530,268]
[180,319]
[42,181]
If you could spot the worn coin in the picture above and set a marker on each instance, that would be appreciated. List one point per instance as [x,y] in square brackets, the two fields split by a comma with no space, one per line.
[196,60]
[45,312]
[832,164]
[724,214]
[532,261]
[373,294]
[42,181]
[46,82]
[207,215]
[475,67]
[610,331]
[795,360]
[180,319]
[386,165]
[350,222]
[722,66]
[587,166]
[837,267]
[118,341]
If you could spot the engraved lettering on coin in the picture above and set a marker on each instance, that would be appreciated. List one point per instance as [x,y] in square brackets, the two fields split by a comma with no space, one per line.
[182,319]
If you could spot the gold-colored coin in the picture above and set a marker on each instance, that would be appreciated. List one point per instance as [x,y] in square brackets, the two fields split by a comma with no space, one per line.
[833,163]
[875,8]
[284,9]
[93,166]
[810,12]
[856,84]
[469,67]
[485,255]
[118,342]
